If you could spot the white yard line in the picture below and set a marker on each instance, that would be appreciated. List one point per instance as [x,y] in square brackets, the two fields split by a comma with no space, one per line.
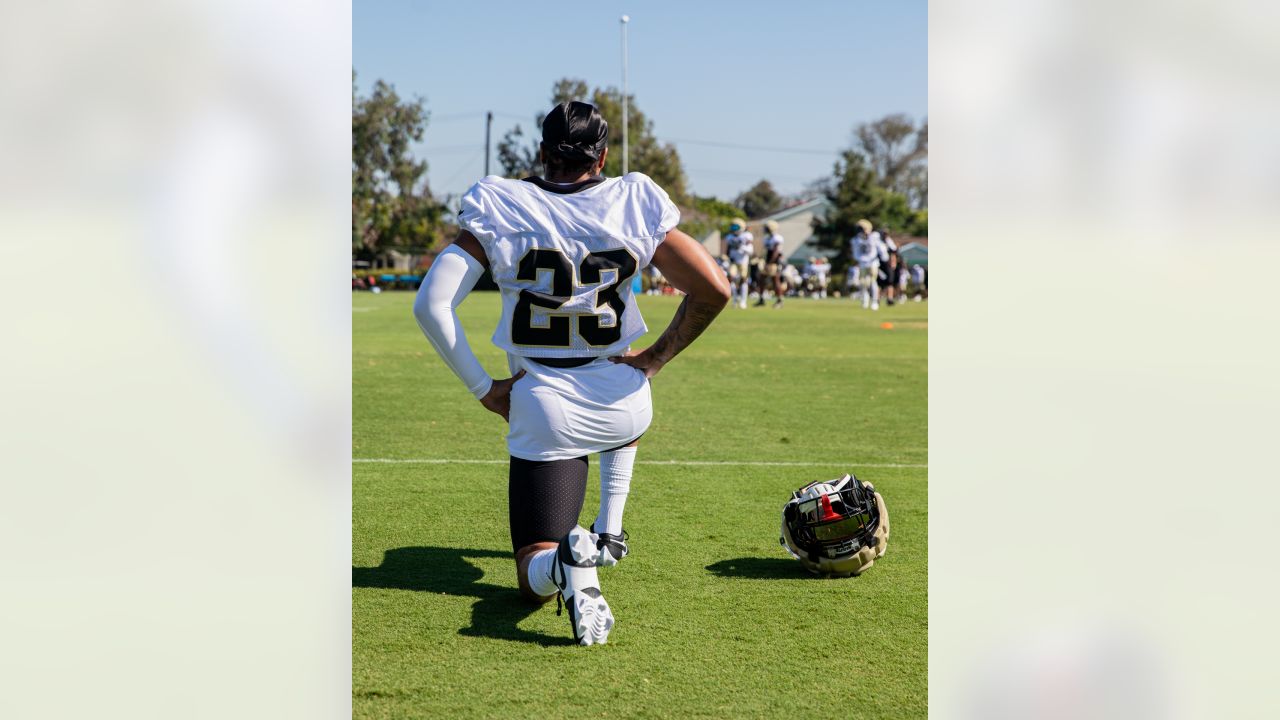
[728,463]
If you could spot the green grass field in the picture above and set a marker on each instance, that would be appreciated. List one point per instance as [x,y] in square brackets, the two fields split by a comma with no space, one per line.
[713,618]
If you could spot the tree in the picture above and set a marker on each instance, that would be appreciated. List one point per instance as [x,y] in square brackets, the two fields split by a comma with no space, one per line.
[659,161]
[704,214]
[919,226]
[517,157]
[898,153]
[760,200]
[391,205]
[568,90]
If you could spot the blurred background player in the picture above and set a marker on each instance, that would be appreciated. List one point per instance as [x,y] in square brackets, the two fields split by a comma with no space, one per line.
[772,277]
[755,277]
[747,244]
[820,270]
[851,272]
[920,276]
[792,283]
[722,260]
[904,277]
[887,277]
[866,253]
[807,286]
[814,278]
[657,283]
[739,245]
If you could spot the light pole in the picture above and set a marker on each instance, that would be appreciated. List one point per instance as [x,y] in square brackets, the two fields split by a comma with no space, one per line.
[488,125]
[625,19]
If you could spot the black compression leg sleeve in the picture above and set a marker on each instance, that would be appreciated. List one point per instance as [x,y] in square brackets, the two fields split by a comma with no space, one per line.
[544,499]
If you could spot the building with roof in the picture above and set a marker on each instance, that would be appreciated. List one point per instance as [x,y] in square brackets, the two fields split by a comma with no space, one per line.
[914,251]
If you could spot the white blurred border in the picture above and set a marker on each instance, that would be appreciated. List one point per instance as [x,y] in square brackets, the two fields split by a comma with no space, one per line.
[1104,186]
[174,203]
[173,252]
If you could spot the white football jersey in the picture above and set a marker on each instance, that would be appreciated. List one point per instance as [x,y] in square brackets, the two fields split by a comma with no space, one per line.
[564,257]
[865,252]
[882,247]
[740,247]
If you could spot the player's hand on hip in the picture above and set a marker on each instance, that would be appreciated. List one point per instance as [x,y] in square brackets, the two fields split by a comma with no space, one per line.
[498,400]
[642,360]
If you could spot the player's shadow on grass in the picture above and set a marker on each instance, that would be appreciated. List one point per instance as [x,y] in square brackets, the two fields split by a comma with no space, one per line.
[496,614]
[756,568]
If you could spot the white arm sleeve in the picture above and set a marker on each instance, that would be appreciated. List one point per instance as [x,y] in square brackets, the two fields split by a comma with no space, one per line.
[451,278]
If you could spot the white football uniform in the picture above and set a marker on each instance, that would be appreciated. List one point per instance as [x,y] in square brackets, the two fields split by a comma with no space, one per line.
[865,250]
[740,248]
[882,248]
[771,244]
[820,271]
[563,258]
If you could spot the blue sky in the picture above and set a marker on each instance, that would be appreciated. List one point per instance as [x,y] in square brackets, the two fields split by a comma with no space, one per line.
[794,75]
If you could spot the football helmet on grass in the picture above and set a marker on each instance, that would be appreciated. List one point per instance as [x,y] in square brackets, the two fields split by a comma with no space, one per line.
[836,528]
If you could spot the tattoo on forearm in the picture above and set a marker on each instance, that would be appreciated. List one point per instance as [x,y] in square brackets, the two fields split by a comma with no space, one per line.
[689,322]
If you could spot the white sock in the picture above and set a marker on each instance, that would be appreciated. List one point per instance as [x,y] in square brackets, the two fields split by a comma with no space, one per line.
[615,483]
[576,578]
[875,294]
[543,569]
[540,565]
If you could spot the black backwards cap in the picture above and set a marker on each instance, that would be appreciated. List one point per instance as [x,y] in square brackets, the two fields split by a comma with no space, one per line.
[575,132]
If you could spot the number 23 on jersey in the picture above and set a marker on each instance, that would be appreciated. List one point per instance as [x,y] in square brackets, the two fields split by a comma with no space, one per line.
[591,271]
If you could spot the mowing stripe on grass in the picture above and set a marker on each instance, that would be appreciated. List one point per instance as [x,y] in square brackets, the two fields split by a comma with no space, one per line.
[746,463]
